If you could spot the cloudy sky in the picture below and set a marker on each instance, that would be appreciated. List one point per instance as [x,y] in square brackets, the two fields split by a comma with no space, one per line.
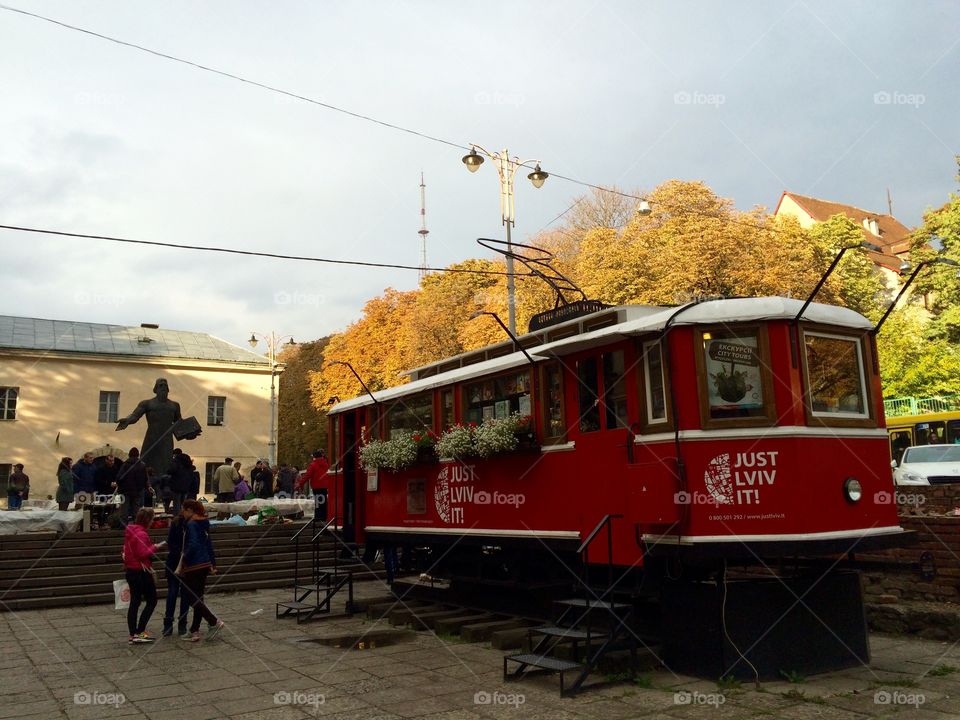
[840,100]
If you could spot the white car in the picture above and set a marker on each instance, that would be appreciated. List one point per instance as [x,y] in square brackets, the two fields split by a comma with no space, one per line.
[928,465]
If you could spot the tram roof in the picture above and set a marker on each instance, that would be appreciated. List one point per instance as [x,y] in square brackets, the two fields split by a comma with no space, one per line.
[637,320]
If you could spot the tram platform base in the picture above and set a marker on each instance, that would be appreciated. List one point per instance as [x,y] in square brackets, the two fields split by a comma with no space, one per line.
[784,627]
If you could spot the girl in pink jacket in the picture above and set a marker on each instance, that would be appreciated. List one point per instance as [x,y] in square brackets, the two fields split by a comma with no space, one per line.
[138,554]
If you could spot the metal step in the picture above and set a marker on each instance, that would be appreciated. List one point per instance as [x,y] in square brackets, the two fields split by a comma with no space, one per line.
[543,661]
[568,633]
[593,604]
[297,606]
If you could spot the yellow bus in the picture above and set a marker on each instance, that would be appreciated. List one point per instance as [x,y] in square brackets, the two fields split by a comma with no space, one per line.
[922,421]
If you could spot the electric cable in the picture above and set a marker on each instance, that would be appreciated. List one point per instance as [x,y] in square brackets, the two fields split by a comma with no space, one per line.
[252,253]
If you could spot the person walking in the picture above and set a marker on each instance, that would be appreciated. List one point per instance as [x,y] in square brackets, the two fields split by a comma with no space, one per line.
[64,483]
[17,488]
[225,479]
[132,482]
[197,563]
[106,476]
[178,527]
[138,554]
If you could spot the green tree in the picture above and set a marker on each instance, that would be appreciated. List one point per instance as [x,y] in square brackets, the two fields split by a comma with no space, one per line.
[301,427]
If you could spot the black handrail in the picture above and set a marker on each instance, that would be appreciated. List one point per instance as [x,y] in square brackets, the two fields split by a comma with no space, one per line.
[322,530]
[598,528]
[305,526]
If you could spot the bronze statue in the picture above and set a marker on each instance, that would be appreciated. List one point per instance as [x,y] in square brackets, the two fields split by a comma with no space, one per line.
[163,417]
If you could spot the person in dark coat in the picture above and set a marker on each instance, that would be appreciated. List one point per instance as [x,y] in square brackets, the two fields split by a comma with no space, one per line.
[106,475]
[85,475]
[266,482]
[65,479]
[175,536]
[181,476]
[132,482]
[285,480]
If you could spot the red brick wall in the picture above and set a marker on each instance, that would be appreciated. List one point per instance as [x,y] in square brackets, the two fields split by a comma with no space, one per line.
[893,575]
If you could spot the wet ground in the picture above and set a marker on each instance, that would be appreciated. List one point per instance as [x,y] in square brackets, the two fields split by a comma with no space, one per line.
[76,663]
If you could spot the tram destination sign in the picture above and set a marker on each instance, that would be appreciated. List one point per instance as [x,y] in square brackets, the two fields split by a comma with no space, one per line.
[564,313]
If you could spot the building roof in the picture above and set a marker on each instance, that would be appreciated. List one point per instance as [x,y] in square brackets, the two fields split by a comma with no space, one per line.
[22,333]
[894,236]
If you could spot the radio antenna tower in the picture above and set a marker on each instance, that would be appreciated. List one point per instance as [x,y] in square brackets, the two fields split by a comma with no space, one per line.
[423,232]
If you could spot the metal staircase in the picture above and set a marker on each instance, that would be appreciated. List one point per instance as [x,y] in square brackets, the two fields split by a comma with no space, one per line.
[314,593]
[586,629]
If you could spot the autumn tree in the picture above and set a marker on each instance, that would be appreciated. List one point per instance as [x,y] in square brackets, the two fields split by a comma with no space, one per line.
[374,345]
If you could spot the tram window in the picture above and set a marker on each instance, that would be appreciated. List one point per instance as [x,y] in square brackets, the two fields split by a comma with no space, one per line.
[412,413]
[446,409]
[588,394]
[735,383]
[835,378]
[654,382]
[900,440]
[553,401]
[953,432]
[614,390]
[498,397]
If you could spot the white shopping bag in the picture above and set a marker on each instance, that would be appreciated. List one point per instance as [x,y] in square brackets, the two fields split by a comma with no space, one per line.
[121,595]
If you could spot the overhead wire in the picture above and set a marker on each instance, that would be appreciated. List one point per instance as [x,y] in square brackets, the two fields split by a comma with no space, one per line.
[252,253]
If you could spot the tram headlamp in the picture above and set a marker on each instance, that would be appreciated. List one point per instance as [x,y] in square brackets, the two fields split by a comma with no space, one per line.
[852,489]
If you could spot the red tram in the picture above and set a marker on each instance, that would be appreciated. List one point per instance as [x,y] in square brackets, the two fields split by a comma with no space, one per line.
[716,427]
[719,431]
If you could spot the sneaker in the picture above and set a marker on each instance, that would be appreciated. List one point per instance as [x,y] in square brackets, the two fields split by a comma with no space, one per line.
[141,639]
[148,635]
[192,637]
[131,640]
[183,632]
[215,630]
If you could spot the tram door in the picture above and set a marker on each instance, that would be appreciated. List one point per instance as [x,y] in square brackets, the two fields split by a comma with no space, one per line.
[350,459]
[600,430]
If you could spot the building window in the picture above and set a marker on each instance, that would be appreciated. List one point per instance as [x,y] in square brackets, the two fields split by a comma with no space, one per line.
[109,406]
[835,377]
[8,403]
[614,390]
[209,470]
[446,410]
[215,406]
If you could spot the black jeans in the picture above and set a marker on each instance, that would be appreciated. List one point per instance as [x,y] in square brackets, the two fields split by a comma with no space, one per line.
[193,585]
[142,587]
[175,590]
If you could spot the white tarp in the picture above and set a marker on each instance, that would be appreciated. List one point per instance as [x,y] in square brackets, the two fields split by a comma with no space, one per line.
[14,522]
[284,506]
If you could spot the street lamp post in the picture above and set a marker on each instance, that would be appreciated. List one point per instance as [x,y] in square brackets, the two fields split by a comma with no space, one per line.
[507,169]
[273,342]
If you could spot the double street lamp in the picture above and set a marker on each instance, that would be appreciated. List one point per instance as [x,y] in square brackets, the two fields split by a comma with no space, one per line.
[273,344]
[507,169]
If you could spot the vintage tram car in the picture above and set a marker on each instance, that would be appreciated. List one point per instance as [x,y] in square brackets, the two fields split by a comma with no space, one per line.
[745,431]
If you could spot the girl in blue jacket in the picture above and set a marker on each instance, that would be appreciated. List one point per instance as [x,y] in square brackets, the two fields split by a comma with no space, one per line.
[198,562]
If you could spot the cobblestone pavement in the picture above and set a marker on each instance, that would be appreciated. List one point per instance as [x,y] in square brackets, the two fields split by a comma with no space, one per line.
[76,663]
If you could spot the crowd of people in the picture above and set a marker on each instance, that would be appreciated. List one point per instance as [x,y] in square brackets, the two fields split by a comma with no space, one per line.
[139,485]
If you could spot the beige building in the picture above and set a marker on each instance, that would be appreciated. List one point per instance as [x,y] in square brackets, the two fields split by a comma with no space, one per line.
[64,386]
[892,236]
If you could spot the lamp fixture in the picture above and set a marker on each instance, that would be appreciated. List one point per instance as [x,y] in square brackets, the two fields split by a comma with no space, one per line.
[538,177]
[473,160]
